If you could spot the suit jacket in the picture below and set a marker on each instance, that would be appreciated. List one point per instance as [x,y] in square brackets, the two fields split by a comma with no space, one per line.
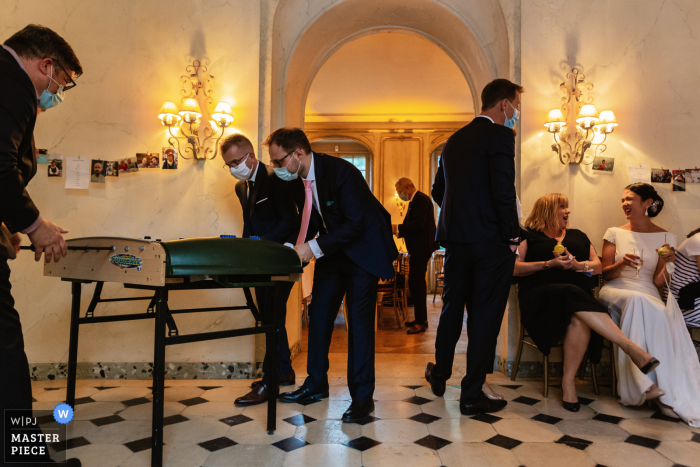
[18,108]
[356,223]
[475,185]
[269,212]
[418,228]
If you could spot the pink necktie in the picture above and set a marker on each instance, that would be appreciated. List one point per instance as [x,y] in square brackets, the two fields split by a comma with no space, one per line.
[306,215]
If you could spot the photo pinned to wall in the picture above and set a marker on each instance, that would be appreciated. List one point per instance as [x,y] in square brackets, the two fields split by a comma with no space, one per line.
[99,169]
[169,158]
[661,175]
[679,180]
[132,165]
[603,164]
[42,156]
[55,165]
[692,175]
[112,169]
[143,159]
[122,167]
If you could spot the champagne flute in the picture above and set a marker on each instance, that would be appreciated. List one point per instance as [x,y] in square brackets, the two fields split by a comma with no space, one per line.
[640,261]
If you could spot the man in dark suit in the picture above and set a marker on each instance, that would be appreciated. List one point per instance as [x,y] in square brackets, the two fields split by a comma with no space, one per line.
[418,230]
[269,212]
[353,249]
[479,227]
[36,67]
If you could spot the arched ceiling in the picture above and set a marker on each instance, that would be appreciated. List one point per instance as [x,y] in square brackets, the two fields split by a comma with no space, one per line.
[389,76]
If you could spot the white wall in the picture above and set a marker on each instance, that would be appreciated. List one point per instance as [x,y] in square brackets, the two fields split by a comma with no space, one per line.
[133,54]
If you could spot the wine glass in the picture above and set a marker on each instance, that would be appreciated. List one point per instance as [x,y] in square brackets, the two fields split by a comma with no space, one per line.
[640,261]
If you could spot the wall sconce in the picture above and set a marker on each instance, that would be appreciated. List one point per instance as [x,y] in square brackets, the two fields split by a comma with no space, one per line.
[189,118]
[590,129]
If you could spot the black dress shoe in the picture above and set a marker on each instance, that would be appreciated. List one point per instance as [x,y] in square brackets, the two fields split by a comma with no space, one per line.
[287,379]
[650,366]
[482,405]
[254,397]
[571,406]
[437,385]
[302,395]
[417,329]
[358,411]
[410,324]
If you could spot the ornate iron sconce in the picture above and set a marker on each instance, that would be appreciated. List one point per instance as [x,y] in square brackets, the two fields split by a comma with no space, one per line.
[194,130]
[590,129]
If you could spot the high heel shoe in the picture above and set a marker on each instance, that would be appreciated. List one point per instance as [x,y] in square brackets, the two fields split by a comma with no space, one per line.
[494,396]
[570,406]
[654,393]
[650,366]
[666,410]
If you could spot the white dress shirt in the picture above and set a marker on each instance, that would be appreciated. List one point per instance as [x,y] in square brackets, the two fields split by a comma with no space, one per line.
[312,176]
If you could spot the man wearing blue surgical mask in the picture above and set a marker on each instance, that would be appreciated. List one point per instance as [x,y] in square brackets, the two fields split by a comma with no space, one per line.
[269,212]
[37,66]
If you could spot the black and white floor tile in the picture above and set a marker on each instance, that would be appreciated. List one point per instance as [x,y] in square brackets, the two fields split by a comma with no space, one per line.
[410,427]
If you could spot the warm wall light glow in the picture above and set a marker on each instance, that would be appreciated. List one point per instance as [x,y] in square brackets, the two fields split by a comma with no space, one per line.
[190,110]
[168,114]
[223,113]
[607,121]
[555,120]
[598,136]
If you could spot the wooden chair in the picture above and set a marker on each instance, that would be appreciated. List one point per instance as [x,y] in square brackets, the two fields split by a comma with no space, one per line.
[696,342]
[439,271]
[402,291]
[387,295]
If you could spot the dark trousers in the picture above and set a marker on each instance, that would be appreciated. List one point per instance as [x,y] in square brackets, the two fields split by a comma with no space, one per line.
[265,297]
[417,267]
[15,383]
[478,276]
[337,275]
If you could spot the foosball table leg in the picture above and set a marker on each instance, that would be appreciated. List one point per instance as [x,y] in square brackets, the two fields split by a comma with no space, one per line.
[76,288]
[161,297]
[271,346]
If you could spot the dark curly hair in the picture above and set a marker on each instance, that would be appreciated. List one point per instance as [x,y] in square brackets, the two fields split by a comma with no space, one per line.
[646,191]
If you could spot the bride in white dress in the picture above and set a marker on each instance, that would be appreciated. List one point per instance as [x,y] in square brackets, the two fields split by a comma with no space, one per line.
[632,296]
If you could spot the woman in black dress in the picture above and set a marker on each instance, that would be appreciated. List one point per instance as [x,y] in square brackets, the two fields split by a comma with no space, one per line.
[556,301]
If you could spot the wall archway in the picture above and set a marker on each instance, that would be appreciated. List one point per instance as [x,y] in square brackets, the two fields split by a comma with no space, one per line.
[472,32]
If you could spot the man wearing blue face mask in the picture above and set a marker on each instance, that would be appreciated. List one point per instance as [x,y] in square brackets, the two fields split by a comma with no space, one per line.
[478,225]
[269,212]
[36,67]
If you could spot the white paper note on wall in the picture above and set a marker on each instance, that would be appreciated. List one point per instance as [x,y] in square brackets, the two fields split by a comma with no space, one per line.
[78,173]
[640,174]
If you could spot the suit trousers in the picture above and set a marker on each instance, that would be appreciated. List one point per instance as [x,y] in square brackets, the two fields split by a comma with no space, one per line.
[417,267]
[477,275]
[335,276]
[265,297]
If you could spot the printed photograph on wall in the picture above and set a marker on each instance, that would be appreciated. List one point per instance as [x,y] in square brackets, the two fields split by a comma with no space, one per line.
[679,180]
[603,164]
[41,156]
[692,175]
[112,169]
[169,158]
[55,165]
[123,167]
[99,168]
[154,161]
[143,159]
[660,175]
[132,165]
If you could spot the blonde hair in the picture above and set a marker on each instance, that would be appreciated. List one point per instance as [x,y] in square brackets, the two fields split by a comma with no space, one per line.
[544,212]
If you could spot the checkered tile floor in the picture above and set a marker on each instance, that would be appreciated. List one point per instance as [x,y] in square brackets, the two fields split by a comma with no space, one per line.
[410,427]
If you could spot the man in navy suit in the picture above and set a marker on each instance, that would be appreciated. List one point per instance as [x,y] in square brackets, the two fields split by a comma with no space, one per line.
[478,225]
[418,230]
[269,212]
[353,249]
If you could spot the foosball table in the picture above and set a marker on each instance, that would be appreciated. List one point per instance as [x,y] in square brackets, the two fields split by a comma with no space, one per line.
[188,264]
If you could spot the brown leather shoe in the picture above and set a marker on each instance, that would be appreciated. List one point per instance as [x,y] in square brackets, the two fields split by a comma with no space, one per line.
[416,329]
[287,379]
[254,397]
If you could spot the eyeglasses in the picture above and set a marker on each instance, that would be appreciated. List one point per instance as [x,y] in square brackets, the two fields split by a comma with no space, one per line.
[71,84]
[278,163]
[235,164]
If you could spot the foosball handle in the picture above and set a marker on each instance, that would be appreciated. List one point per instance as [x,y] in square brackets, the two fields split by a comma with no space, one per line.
[81,248]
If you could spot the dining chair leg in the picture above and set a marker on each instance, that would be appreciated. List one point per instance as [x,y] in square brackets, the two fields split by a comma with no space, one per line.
[546,375]
[613,370]
[516,363]
[595,380]
[582,368]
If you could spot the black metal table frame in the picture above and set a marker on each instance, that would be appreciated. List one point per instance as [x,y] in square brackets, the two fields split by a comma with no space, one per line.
[158,309]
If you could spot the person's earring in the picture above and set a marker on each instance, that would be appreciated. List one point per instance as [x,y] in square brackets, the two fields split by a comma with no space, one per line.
[646,212]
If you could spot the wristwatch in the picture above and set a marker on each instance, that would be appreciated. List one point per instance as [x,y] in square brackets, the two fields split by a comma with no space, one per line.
[545,265]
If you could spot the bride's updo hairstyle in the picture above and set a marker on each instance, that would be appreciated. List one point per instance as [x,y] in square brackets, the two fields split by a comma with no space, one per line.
[646,191]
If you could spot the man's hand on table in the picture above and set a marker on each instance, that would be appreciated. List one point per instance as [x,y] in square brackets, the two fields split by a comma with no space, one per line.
[48,239]
[304,252]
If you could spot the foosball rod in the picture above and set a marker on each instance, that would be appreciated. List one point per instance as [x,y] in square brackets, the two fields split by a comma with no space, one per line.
[83,248]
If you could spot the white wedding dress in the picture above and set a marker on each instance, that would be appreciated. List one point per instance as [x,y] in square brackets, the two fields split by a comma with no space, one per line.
[636,307]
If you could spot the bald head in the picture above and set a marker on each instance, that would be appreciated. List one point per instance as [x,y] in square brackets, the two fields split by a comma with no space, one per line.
[405,188]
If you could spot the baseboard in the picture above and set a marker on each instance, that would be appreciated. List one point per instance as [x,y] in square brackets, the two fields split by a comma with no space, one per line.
[144,370]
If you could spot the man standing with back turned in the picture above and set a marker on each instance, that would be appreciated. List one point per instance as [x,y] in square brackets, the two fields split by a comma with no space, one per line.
[36,67]
[353,249]
[479,227]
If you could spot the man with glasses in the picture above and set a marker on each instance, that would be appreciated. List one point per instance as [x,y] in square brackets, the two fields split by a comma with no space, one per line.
[37,66]
[353,249]
[269,212]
